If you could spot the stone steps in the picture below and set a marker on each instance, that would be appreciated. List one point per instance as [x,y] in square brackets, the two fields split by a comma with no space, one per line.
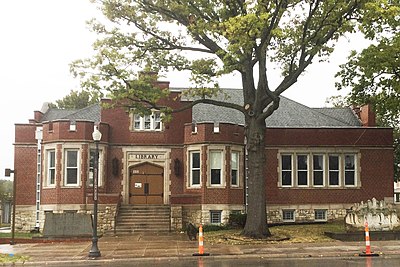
[143,218]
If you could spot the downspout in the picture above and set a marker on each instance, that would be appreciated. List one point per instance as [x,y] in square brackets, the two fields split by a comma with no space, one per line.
[38,137]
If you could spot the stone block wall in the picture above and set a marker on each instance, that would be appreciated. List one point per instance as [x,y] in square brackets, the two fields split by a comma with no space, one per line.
[191,214]
[25,216]
[306,213]
[176,218]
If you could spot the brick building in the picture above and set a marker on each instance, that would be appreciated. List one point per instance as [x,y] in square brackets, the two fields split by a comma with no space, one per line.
[318,162]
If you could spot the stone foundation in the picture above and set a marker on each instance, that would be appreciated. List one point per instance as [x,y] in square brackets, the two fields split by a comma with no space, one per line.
[25,216]
[306,213]
[181,215]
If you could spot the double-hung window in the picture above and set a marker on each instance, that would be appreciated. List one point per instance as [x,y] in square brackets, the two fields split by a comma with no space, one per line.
[302,170]
[51,167]
[194,168]
[318,170]
[286,163]
[216,167]
[235,169]
[349,170]
[71,167]
[337,169]
[334,174]
[150,122]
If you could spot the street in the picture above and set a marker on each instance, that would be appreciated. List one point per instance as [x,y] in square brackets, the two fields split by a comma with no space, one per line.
[386,261]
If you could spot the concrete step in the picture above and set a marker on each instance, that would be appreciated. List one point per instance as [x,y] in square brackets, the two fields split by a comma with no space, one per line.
[142,218]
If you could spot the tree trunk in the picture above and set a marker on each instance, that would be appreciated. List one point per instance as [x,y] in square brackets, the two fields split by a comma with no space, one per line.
[256,223]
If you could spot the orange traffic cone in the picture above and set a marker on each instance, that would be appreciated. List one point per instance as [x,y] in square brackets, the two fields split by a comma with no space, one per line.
[201,243]
[367,251]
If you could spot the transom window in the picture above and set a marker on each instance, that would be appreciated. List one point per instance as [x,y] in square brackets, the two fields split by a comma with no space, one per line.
[318,170]
[71,167]
[147,122]
[194,168]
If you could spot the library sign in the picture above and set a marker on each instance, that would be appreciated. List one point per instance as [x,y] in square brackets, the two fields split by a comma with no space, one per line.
[146,156]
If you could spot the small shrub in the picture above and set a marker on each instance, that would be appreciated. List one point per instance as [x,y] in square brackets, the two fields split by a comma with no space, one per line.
[237,220]
[215,227]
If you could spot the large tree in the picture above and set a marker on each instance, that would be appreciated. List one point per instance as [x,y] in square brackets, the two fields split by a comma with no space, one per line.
[373,74]
[209,39]
[78,99]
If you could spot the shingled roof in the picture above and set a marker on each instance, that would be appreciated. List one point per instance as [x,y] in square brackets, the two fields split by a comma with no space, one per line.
[290,114]
[90,113]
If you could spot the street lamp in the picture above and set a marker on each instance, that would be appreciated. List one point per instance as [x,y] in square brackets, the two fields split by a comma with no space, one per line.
[8,174]
[94,250]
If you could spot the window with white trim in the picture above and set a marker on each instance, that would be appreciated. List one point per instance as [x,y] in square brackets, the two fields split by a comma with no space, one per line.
[51,167]
[286,167]
[235,168]
[302,170]
[349,170]
[71,171]
[216,167]
[318,170]
[91,168]
[150,122]
[320,215]
[194,158]
[288,216]
[333,172]
[397,197]
[215,216]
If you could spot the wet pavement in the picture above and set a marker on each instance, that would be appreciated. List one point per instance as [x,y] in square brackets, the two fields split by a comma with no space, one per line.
[175,246]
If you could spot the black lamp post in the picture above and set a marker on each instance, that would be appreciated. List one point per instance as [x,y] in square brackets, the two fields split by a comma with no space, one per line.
[8,174]
[94,250]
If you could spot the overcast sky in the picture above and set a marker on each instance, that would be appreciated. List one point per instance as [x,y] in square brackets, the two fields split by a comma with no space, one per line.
[38,40]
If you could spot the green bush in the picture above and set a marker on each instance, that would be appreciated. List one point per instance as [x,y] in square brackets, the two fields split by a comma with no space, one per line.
[215,227]
[237,220]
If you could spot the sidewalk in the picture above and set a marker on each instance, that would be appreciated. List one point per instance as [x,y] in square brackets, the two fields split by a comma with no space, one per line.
[157,246]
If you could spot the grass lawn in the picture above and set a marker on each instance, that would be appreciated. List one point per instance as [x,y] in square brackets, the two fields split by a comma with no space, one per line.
[301,233]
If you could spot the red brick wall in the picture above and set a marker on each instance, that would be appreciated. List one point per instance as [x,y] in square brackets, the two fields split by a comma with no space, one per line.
[177,181]
[228,133]
[120,123]
[25,167]
[113,182]
[375,146]
[376,163]
[381,137]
